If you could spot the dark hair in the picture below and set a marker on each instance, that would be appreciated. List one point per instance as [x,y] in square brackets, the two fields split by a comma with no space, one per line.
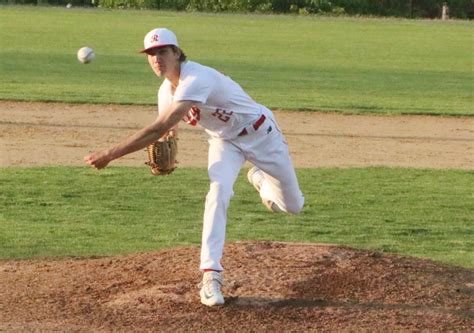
[182,57]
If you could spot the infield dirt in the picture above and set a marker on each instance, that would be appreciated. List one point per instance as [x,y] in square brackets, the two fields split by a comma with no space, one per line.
[270,286]
[37,134]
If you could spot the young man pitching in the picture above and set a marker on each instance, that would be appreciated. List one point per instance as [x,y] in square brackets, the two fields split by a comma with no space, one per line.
[239,130]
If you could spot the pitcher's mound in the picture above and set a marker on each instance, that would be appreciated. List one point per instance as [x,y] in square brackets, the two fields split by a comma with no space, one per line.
[269,287]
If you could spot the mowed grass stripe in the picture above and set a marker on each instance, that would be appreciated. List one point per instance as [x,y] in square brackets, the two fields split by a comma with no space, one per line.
[344,64]
[73,211]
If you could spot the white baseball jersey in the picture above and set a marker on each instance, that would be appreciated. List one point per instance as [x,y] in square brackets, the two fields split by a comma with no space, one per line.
[222,107]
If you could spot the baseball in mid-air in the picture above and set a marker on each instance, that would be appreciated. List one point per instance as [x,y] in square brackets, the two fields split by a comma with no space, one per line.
[85,55]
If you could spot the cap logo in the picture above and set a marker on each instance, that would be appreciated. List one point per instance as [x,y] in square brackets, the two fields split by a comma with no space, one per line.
[154,38]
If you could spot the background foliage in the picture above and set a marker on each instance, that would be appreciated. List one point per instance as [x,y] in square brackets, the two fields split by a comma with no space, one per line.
[403,8]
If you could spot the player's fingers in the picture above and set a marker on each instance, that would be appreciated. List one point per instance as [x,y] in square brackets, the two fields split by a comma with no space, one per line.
[97,160]
[88,159]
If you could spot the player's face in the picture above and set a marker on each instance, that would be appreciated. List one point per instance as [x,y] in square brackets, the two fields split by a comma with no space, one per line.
[163,60]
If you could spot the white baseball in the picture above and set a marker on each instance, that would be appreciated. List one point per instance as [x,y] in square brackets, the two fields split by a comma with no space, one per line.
[85,55]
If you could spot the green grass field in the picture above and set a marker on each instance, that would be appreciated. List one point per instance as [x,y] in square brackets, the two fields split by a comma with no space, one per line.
[343,64]
[77,211]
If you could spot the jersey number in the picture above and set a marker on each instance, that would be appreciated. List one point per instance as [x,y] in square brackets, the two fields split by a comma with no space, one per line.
[223,115]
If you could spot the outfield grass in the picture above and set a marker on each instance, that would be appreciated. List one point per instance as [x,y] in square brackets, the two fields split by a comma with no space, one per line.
[344,64]
[73,211]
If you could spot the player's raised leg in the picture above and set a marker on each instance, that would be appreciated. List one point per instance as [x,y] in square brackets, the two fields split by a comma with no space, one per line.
[274,176]
[276,195]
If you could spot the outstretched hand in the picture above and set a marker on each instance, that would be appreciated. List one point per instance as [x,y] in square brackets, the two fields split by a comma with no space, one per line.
[98,159]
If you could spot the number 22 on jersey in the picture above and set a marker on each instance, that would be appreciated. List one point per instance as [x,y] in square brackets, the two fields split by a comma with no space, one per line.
[194,115]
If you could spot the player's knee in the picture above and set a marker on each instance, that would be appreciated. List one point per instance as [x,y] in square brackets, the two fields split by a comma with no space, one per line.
[286,208]
[294,210]
[295,207]
[219,192]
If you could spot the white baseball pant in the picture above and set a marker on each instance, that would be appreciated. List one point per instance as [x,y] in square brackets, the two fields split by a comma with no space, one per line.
[267,149]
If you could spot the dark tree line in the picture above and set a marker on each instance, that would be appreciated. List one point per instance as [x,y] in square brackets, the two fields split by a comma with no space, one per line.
[400,8]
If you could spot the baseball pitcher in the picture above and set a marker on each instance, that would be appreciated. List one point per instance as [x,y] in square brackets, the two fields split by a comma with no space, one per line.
[239,130]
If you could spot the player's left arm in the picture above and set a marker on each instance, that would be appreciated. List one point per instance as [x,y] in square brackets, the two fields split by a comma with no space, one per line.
[166,121]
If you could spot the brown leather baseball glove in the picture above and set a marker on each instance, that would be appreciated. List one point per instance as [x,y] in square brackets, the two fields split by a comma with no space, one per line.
[162,156]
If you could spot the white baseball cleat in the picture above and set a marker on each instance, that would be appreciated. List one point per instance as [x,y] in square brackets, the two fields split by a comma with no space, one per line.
[271,206]
[255,177]
[211,289]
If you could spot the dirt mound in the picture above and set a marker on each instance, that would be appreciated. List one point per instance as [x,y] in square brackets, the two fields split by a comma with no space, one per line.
[269,287]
